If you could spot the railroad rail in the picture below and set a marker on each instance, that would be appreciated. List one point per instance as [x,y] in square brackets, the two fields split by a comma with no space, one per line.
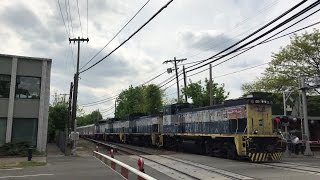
[190,169]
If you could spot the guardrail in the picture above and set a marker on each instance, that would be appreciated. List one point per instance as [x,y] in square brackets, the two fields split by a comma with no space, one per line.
[120,167]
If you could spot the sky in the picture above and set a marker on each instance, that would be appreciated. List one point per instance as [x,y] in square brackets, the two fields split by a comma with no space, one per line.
[192,29]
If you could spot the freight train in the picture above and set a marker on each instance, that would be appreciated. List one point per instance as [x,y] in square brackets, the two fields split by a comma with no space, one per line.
[238,128]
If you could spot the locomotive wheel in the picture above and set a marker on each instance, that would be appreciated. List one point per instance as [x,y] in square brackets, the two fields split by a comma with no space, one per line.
[232,152]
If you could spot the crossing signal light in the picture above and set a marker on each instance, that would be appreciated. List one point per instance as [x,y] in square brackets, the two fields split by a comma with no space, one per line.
[277,120]
[284,119]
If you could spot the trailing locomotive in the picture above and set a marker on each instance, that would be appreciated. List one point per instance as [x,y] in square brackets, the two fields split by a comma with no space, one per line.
[239,128]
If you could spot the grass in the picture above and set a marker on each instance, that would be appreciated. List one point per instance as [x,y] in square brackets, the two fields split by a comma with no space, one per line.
[21,164]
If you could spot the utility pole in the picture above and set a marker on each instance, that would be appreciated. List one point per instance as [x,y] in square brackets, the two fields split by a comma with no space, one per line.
[175,61]
[64,97]
[75,88]
[308,151]
[69,107]
[287,152]
[185,84]
[115,107]
[210,85]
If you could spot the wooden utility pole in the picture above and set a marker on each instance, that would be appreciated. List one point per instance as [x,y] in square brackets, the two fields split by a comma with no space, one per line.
[175,61]
[210,85]
[69,107]
[64,97]
[185,84]
[76,80]
[75,91]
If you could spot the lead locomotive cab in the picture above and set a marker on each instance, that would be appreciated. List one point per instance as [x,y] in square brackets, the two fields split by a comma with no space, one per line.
[258,143]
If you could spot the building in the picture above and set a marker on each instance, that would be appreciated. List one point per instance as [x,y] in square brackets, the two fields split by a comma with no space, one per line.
[24,100]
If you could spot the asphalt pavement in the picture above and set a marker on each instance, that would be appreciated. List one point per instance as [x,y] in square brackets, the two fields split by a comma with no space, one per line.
[63,167]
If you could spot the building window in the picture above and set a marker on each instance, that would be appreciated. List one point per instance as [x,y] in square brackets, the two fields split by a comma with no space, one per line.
[3,127]
[28,87]
[25,130]
[4,85]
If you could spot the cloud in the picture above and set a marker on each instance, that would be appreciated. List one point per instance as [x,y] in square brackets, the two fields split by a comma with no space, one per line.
[206,40]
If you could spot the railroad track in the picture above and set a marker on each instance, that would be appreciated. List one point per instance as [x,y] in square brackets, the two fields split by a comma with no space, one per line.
[182,168]
[302,168]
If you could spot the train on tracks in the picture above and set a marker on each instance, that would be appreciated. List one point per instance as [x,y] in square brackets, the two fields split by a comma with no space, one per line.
[237,128]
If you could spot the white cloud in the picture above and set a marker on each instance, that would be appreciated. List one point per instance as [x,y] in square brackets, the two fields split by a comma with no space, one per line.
[185,28]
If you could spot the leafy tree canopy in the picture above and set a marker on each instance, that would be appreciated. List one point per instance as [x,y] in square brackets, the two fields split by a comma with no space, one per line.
[91,118]
[58,116]
[140,99]
[200,93]
[300,58]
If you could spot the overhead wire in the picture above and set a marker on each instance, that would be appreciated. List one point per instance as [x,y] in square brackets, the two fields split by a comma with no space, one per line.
[150,19]
[64,23]
[79,17]
[70,17]
[115,35]
[114,97]
[248,36]
[67,17]
[87,18]
[262,42]
[234,28]
[259,37]
[267,40]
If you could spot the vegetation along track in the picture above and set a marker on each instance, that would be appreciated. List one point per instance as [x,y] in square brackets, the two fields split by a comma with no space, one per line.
[190,170]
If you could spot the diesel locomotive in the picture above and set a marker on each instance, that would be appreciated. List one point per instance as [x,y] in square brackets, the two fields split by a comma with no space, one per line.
[237,128]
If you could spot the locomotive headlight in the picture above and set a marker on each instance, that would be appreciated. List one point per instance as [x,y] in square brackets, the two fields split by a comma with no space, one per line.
[255,132]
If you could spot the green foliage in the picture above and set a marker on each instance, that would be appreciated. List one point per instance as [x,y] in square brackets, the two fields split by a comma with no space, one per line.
[153,99]
[200,94]
[140,99]
[91,118]
[16,149]
[58,116]
[300,58]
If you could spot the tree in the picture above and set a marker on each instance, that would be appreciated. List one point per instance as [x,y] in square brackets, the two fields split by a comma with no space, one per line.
[140,99]
[153,99]
[300,58]
[87,119]
[200,94]
[58,116]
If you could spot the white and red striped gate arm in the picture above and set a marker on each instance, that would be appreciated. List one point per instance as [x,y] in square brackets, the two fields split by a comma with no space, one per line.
[121,167]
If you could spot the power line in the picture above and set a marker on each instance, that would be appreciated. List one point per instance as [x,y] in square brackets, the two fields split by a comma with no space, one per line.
[87,17]
[79,17]
[263,42]
[129,37]
[99,101]
[114,97]
[115,35]
[236,27]
[107,109]
[250,35]
[70,18]
[67,19]
[67,31]
[234,72]
[264,34]
[64,23]
[153,78]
